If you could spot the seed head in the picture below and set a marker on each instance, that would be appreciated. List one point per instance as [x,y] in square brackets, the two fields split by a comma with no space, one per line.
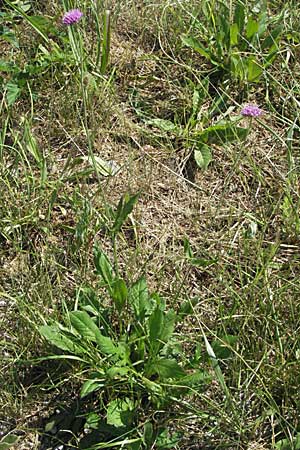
[251,111]
[72,16]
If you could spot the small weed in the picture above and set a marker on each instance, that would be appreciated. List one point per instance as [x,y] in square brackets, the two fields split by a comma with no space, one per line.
[130,359]
[241,44]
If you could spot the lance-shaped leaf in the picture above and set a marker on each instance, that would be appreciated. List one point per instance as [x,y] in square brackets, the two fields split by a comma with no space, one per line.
[56,337]
[138,297]
[87,328]
[124,208]
[119,293]
[167,368]
[103,267]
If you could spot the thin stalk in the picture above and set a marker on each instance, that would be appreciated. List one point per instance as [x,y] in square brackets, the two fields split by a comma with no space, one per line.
[98,31]
[105,41]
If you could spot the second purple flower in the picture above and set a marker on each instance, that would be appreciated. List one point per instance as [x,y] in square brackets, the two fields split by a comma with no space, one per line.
[251,111]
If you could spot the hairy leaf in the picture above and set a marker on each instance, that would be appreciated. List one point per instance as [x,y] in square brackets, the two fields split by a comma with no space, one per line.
[8,441]
[139,298]
[168,327]
[57,338]
[13,91]
[195,45]
[90,386]
[120,412]
[167,368]
[103,267]
[156,322]
[203,156]
[124,208]
[119,293]
[85,326]
[164,125]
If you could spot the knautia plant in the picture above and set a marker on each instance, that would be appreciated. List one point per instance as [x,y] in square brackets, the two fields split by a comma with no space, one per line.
[241,45]
[201,132]
[132,367]
[251,112]
[72,17]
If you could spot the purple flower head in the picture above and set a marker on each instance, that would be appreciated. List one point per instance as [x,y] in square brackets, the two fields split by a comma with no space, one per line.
[72,16]
[251,111]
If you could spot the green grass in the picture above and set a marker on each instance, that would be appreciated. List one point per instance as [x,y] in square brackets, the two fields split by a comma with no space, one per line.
[215,228]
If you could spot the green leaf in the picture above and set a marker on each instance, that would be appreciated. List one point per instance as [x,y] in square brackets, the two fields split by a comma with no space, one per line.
[50,425]
[31,144]
[156,322]
[239,16]
[197,378]
[195,45]
[153,387]
[187,248]
[162,124]
[202,262]
[251,28]
[42,24]
[105,41]
[234,34]
[221,347]
[166,441]
[254,70]
[120,412]
[223,37]
[135,445]
[8,441]
[89,386]
[92,421]
[263,23]
[9,36]
[119,293]
[196,101]
[117,371]
[104,168]
[203,155]
[237,66]
[85,326]
[272,54]
[222,133]
[148,435]
[13,91]
[287,444]
[89,301]
[168,327]
[103,267]
[187,307]
[107,346]
[272,38]
[124,208]
[8,66]
[37,22]
[104,432]
[56,337]
[216,367]
[138,298]
[167,368]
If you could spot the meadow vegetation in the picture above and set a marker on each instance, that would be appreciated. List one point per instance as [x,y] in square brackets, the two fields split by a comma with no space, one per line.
[149,224]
